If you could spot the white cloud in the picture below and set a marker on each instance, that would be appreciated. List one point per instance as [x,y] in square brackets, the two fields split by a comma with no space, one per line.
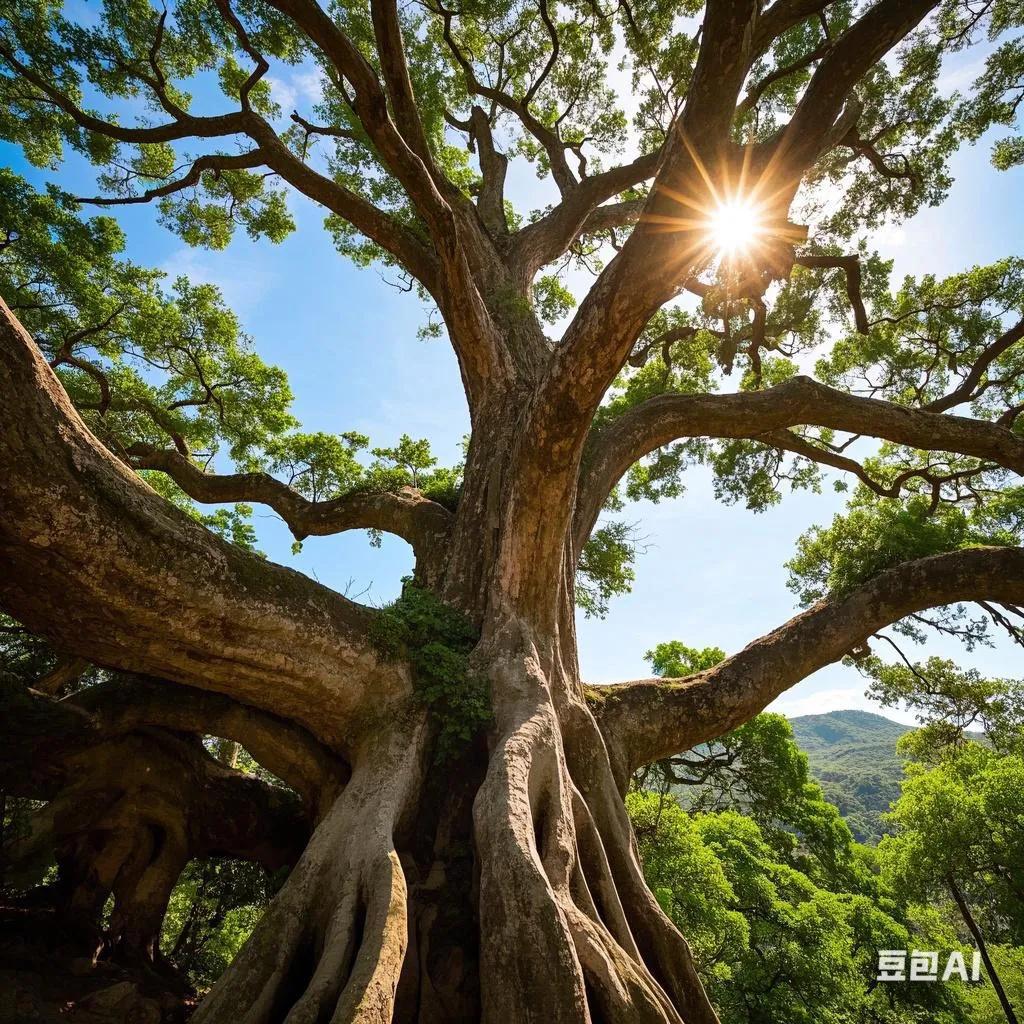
[242,282]
[302,88]
[952,79]
[840,698]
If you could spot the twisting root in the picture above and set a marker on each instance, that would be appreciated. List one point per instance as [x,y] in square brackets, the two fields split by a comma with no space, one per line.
[557,941]
[529,969]
[331,945]
[569,932]
[662,948]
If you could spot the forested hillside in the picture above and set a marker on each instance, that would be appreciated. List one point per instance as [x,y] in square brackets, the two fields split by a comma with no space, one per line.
[785,910]
[853,755]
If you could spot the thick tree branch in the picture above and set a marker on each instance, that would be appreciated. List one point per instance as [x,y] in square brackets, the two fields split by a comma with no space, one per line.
[391,48]
[370,103]
[854,53]
[379,227]
[94,560]
[850,265]
[800,401]
[126,814]
[364,216]
[671,243]
[407,513]
[782,16]
[544,240]
[465,254]
[612,215]
[493,168]
[649,269]
[127,703]
[650,719]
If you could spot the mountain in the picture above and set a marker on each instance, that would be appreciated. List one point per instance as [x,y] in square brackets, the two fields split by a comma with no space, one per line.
[853,755]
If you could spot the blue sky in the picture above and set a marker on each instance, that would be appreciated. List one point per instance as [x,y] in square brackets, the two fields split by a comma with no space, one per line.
[710,574]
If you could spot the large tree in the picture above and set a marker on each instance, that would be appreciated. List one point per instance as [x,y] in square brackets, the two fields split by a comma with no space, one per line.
[478,862]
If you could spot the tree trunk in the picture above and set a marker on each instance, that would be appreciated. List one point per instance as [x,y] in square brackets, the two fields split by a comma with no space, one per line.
[975,930]
[506,888]
[503,888]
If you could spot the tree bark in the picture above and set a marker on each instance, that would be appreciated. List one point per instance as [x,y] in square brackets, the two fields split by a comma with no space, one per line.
[109,571]
[975,930]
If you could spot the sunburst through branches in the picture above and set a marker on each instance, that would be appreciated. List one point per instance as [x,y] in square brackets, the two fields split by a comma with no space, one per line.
[735,226]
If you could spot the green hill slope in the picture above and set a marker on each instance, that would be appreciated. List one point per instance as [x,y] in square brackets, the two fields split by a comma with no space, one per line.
[853,755]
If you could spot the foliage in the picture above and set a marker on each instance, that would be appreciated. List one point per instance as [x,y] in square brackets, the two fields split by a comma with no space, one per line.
[878,533]
[144,363]
[437,640]
[770,943]
[996,94]
[674,659]
[605,567]
[950,703]
[959,821]
[212,910]
[786,913]
[1009,962]
[756,768]
[927,334]
[963,819]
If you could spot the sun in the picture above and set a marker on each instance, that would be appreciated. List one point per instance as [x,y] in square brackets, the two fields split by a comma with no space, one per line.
[734,226]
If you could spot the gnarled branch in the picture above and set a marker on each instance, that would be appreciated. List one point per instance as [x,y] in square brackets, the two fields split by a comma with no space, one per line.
[850,265]
[94,560]
[852,55]
[798,401]
[650,719]
[407,513]
[544,240]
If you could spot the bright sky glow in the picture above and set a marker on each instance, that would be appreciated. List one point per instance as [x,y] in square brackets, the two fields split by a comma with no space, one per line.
[734,226]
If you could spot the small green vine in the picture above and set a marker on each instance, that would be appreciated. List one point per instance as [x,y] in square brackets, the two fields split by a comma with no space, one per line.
[437,640]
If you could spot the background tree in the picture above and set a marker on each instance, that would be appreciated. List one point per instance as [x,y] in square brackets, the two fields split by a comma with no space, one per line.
[777,933]
[756,769]
[478,861]
[959,835]
[787,919]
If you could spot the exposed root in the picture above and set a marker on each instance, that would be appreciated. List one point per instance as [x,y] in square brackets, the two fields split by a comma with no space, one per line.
[663,949]
[331,945]
[530,970]
[557,940]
